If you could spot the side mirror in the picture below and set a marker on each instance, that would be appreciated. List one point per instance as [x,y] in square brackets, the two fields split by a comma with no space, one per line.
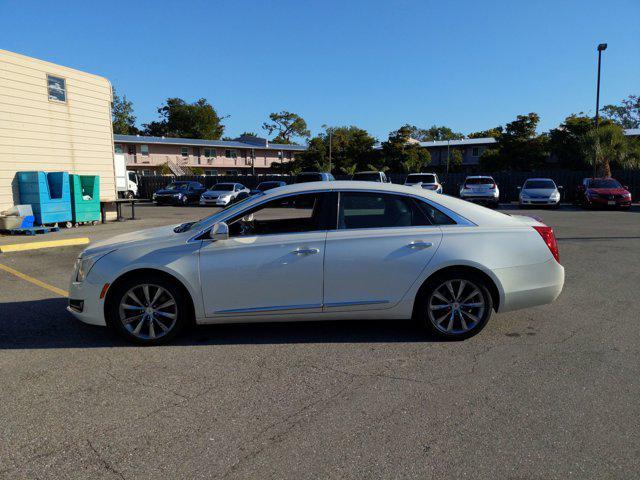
[626,187]
[560,187]
[519,188]
[219,231]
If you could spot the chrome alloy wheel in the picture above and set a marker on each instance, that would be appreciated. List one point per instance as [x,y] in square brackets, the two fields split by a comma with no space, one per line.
[148,312]
[456,306]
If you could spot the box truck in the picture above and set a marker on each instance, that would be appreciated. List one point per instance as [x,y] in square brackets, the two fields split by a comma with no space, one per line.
[126,180]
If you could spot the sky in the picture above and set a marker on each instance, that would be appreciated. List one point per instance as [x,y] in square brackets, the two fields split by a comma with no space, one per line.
[469,65]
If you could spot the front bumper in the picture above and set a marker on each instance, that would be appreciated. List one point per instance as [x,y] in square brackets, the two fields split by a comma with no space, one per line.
[607,202]
[92,306]
[540,201]
[167,200]
[214,201]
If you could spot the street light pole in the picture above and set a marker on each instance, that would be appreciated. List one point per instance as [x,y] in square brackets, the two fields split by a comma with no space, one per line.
[330,139]
[448,143]
[601,48]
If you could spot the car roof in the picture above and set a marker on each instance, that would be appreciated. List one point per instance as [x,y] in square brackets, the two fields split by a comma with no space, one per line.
[479,176]
[472,212]
[539,179]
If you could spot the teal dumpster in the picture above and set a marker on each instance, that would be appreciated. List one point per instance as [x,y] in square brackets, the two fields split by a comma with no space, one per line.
[85,198]
[48,194]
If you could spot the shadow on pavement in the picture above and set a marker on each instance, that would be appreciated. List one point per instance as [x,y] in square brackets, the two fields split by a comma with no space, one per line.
[46,324]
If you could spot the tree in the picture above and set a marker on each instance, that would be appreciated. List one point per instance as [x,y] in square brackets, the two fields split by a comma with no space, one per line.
[608,145]
[122,117]
[286,125]
[455,161]
[351,150]
[402,155]
[491,133]
[248,134]
[186,120]
[627,114]
[433,133]
[566,141]
[165,169]
[519,147]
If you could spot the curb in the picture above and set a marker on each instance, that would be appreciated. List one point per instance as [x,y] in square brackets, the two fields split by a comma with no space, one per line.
[21,247]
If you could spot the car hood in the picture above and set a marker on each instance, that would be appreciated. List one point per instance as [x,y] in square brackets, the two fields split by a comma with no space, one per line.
[147,237]
[539,192]
[608,191]
[164,191]
[217,193]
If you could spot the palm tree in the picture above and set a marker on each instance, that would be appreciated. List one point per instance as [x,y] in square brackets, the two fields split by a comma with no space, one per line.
[608,144]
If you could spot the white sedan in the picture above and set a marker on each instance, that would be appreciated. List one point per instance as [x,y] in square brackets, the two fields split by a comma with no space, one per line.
[323,250]
[222,194]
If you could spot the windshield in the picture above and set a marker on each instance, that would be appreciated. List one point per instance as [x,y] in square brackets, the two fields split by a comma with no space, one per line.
[308,177]
[264,186]
[479,181]
[367,176]
[177,186]
[604,183]
[529,184]
[212,218]
[421,178]
[222,187]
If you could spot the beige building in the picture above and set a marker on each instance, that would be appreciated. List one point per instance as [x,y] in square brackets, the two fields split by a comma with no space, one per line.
[53,118]
[247,154]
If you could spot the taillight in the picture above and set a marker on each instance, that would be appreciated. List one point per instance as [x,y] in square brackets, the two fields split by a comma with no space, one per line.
[493,186]
[550,239]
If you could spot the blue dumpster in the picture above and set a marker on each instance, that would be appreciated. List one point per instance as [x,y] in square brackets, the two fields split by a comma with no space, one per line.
[49,195]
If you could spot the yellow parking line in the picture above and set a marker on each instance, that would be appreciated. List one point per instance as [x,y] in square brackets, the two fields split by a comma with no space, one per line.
[21,247]
[35,281]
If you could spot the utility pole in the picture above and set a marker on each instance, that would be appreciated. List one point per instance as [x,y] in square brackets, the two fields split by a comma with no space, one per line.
[601,48]
[448,143]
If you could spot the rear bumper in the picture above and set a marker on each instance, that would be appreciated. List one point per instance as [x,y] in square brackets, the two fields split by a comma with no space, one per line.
[530,285]
[481,198]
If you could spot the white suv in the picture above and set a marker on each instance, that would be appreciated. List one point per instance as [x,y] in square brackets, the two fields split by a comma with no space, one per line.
[480,189]
[428,181]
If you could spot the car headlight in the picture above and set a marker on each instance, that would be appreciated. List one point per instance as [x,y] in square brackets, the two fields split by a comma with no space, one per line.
[85,264]
[626,195]
[555,195]
[225,198]
[155,195]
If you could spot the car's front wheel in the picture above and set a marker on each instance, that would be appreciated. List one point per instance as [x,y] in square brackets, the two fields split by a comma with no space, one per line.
[146,309]
[455,305]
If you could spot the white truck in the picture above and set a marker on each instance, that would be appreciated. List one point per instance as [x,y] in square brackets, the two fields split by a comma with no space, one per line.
[126,180]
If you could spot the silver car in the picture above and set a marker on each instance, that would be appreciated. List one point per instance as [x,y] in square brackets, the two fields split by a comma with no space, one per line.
[428,181]
[480,189]
[540,192]
[222,194]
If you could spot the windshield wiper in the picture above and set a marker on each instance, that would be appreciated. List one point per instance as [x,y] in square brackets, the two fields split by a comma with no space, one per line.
[183,227]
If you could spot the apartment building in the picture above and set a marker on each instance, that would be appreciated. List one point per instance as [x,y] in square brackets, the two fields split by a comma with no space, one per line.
[244,155]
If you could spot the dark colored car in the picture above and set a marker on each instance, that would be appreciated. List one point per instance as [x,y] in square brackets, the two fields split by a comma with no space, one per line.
[305,177]
[603,192]
[179,193]
[264,186]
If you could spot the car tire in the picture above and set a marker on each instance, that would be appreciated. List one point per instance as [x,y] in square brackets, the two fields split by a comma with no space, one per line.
[184,201]
[466,313]
[129,195]
[170,312]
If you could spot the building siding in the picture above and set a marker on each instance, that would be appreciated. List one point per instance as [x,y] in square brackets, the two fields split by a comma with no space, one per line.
[40,134]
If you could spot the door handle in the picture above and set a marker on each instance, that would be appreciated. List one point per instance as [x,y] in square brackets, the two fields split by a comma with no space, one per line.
[306,251]
[419,245]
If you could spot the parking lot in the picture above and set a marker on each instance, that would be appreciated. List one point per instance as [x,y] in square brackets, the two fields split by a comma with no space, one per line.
[550,392]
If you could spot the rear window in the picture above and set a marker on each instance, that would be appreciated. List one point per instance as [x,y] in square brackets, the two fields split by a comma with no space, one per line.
[604,183]
[308,177]
[539,184]
[421,178]
[367,177]
[222,187]
[479,181]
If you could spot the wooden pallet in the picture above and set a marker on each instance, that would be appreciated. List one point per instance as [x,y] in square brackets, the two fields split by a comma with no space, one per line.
[29,231]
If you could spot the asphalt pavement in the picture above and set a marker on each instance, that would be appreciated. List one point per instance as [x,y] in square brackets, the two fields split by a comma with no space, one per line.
[550,392]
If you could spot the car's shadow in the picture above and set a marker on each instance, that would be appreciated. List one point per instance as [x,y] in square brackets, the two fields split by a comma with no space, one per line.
[46,324]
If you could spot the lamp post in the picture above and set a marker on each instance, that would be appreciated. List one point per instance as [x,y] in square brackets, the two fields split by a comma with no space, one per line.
[448,143]
[330,134]
[601,48]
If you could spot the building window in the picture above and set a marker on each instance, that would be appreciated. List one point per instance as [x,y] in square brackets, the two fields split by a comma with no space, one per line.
[118,148]
[184,151]
[145,172]
[477,151]
[231,173]
[211,173]
[57,89]
[210,152]
[231,153]
[144,150]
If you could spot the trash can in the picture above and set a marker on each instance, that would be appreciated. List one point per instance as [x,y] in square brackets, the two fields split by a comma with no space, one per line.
[49,195]
[85,198]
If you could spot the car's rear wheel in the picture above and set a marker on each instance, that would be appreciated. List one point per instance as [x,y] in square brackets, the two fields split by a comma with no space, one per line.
[455,305]
[147,310]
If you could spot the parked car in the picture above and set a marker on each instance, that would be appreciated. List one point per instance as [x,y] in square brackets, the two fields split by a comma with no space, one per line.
[539,192]
[603,192]
[428,181]
[264,186]
[222,194]
[370,177]
[179,193]
[480,189]
[341,251]
[305,177]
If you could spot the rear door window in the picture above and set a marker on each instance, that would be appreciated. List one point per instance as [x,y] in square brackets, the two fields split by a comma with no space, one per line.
[378,210]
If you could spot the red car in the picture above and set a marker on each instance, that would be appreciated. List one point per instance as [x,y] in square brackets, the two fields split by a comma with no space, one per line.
[603,192]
